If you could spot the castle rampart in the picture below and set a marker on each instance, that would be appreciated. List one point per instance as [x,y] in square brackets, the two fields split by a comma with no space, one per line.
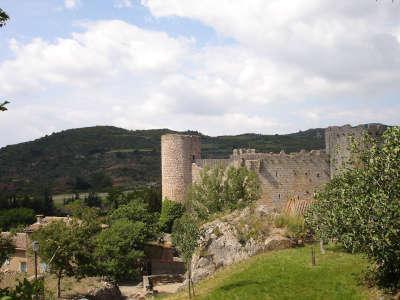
[285,178]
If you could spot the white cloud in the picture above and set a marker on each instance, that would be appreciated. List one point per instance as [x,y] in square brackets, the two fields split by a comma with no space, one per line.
[123,3]
[71,4]
[294,64]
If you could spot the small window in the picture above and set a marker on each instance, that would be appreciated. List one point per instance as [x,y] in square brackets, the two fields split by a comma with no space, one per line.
[279,196]
[318,175]
[23,267]
[193,157]
[276,173]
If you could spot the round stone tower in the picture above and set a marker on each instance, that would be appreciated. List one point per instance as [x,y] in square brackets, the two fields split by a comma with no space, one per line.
[178,152]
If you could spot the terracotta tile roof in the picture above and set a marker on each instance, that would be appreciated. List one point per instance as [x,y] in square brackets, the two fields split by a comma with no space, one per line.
[45,221]
[19,239]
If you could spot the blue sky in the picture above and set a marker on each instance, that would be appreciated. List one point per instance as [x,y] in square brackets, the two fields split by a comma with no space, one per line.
[220,67]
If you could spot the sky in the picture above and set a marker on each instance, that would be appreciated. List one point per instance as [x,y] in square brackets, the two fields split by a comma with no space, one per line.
[219,67]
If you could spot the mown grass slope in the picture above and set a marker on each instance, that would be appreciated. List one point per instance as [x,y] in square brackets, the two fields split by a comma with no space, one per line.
[288,274]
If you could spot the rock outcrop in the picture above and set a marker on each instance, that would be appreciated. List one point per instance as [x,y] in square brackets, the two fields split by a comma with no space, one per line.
[234,238]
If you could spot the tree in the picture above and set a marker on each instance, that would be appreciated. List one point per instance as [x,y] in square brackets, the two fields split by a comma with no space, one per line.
[57,250]
[221,189]
[3,18]
[7,248]
[170,211]
[3,105]
[136,211]
[68,246]
[185,236]
[361,207]
[14,217]
[119,249]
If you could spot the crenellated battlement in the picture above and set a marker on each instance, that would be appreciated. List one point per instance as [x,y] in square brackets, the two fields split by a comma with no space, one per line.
[284,176]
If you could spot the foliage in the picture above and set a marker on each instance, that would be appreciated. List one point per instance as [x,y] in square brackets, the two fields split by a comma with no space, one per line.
[221,189]
[361,209]
[294,224]
[136,211]
[127,157]
[3,105]
[68,247]
[24,290]
[3,19]
[119,249]
[288,274]
[7,248]
[170,211]
[185,236]
[92,200]
[14,217]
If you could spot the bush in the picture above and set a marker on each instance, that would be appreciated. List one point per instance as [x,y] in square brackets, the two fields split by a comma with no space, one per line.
[361,208]
[295,225]
[15,217]
[221,189]
[170,211]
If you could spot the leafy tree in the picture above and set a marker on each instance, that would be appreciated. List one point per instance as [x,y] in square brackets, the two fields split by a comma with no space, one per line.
[136,211]
[3,105]
[119,249]
[170,211]
[15,217]
[7,248]
[115,198]
[221,189]
[68,246]
[92,200]
[361,208]
[57,250]
[185,236]
[3,18]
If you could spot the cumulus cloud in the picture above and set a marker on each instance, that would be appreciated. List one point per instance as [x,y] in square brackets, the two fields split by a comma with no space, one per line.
[71,4]
[292,65]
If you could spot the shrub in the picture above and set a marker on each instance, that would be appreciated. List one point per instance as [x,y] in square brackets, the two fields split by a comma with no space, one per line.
[15,217]
[220,189]
[361,208]
[295,225]
[170,211]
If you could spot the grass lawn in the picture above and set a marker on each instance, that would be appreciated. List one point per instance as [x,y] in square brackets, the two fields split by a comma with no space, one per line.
[288,274]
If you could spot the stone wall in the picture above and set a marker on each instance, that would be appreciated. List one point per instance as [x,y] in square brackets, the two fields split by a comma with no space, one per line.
[338,143]
[283,177]
[178,152]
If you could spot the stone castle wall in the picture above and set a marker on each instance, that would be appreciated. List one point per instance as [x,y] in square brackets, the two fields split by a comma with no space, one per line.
[338,142]
[178,152]
[285,178]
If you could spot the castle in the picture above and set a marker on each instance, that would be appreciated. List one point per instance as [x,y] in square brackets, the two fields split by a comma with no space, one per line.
[287,180]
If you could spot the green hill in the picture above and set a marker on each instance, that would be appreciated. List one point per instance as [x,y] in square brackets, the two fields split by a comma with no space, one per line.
[103,155]
[288,274]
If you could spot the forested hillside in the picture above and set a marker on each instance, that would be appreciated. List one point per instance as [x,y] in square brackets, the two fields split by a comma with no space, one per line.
[101,156]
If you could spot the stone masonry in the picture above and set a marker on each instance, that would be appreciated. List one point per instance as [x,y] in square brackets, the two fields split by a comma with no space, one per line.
[285,178]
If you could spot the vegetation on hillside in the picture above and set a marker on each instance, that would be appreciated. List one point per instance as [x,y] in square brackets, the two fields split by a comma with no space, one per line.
[98,157]
[361,209]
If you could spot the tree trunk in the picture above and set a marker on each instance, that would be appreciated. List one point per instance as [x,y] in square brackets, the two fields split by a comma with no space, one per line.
[59,275]
[189,279]
[321,246]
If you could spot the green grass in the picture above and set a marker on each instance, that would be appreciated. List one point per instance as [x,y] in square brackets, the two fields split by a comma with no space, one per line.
[288,274]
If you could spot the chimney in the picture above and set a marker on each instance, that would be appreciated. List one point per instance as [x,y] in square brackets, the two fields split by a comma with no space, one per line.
[39,218]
